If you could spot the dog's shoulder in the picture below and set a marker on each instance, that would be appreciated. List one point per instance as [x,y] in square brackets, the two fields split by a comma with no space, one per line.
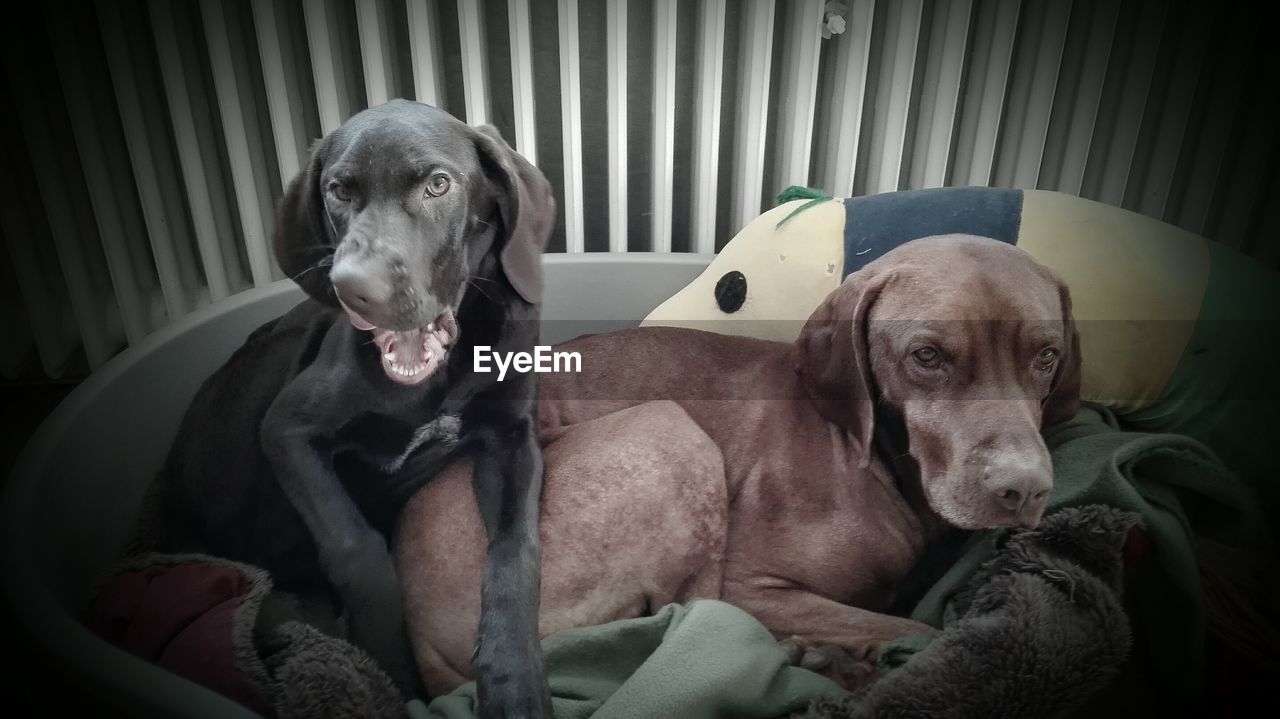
[296,336]
[271,355]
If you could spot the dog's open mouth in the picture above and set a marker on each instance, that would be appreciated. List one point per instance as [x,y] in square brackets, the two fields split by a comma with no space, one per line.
[410,356]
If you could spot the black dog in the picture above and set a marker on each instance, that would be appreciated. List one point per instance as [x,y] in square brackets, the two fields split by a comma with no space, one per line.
[417,237]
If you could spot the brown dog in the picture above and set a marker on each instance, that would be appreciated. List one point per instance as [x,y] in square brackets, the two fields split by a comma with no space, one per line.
[799,482]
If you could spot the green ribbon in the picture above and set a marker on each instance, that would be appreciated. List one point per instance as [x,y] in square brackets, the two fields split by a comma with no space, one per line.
[796,192]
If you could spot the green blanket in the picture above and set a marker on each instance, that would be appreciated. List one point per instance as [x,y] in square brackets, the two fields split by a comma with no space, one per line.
[705,659]
[711,660]
[1178,487]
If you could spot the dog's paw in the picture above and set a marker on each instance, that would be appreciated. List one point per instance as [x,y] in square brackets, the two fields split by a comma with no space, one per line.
[852,670]
[511,686]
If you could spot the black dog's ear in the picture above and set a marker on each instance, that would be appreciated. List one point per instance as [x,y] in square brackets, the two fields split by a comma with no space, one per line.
[527,209]
[302,239]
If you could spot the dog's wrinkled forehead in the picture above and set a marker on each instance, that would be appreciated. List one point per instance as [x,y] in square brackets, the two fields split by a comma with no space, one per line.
[400,143]
[967,278]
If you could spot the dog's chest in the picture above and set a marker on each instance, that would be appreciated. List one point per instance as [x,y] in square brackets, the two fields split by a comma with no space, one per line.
[842,531]
[377,437]
[385,441]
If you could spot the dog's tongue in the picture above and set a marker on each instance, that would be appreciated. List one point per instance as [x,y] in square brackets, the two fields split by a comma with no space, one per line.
[408,348]
[409,356]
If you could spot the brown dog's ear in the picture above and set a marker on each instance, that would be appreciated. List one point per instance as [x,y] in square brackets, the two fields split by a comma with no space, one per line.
[302,239]
[834,360]
[527,209]
[1063,400]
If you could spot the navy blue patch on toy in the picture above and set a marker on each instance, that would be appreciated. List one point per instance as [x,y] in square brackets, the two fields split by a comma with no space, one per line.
[875,224]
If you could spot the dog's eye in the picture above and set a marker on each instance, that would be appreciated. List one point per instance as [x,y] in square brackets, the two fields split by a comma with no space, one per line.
[927,356]
[1047,358]
[437,185]
[339,193]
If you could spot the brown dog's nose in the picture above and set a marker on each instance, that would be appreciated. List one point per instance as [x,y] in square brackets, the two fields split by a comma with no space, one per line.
[1017,486]
[359,289]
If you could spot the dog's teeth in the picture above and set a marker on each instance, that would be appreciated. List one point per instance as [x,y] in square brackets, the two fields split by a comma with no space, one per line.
[390,356]
[431,326]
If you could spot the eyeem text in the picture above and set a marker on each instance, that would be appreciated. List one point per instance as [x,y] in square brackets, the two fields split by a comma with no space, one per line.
[541,360]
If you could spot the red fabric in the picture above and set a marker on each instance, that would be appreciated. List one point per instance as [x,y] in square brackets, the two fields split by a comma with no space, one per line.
[179,617]
[1138,547]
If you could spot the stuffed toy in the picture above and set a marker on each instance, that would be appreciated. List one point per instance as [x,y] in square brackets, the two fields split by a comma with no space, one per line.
[1179,333]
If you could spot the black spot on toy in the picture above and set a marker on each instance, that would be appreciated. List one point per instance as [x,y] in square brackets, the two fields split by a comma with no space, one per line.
[731,291]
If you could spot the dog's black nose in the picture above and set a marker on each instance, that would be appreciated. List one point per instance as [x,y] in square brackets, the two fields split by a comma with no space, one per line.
[361,290]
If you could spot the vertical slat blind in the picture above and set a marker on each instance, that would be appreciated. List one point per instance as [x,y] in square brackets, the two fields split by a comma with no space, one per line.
[900,28]
[329,62]
[521,33]
[178,124]
[245,152]
[706,141]
[193,134]
[616,62]
[1078,96]
[142,116]
[1129,79]
[424,49]
[1031,90]
[571,124]
[285,96]
[1183,47]
[799,91]
[1224,82]
[755,61]
[373,22]
[91,142]
[846,87]
[939,93]
[983,102]
[475,63]
[96,316]
[664,120]
[44,296]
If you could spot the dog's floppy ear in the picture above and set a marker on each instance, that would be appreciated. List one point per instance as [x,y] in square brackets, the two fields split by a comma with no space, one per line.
[1063,400]
[527,209]
[302,238]
[834,360]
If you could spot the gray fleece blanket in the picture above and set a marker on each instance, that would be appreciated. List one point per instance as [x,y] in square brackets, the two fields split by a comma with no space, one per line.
[222,625]
[1042,629]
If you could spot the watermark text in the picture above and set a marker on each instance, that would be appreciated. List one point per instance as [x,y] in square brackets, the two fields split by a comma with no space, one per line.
[541,360]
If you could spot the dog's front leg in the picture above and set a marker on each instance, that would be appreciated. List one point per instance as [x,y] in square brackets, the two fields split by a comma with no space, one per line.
[353,556]
[507,662]
[810,623]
